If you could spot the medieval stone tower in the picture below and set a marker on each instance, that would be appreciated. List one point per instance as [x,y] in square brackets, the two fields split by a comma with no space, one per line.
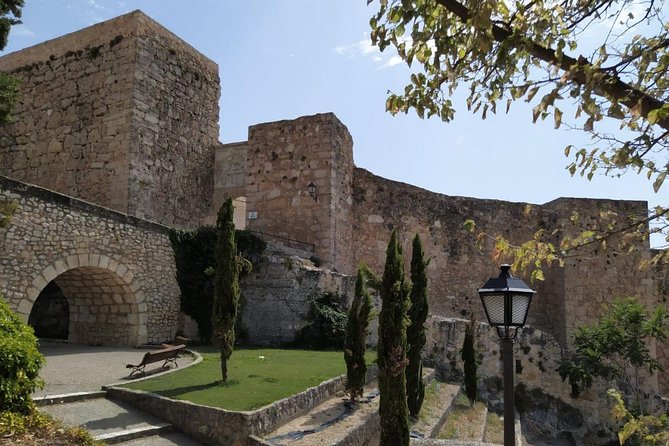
[123,114]
[272,172]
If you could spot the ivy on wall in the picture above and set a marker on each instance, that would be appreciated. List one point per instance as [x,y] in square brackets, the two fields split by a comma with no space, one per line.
[194,258]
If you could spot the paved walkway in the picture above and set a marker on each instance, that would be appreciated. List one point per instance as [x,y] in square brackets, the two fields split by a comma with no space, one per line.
[76,368]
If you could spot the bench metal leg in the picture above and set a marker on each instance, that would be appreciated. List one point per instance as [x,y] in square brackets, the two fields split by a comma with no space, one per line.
[170,361]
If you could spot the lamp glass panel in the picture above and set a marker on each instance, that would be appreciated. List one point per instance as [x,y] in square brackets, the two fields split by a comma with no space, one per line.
[520,304]
[494,306]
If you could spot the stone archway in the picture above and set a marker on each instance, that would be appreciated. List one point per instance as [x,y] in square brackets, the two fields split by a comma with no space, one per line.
[106,303]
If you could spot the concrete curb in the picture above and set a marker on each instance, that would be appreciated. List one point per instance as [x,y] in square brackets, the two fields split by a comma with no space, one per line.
[68,398]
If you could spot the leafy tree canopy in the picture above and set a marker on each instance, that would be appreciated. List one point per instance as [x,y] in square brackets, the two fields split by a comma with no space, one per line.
[616,349]
[10,13]
[604,61]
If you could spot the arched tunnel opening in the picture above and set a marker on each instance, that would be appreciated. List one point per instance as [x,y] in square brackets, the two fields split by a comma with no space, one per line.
[50,315]
[87,306]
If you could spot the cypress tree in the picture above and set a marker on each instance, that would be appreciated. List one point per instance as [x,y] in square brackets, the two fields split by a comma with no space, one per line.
[392,347]
[356,334]
[226,285]
[468,354]
[416,330]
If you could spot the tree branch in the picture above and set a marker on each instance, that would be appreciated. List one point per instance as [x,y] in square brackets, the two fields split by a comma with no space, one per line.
[636,100]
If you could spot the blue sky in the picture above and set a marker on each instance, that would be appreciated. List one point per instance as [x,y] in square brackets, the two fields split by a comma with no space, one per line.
[286,58]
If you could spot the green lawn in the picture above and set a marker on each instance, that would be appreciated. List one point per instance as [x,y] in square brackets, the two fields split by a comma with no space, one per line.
[256,377]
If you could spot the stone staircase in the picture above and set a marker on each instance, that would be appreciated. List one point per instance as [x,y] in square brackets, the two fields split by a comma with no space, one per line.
[334,422]
[446,419]
[112,422]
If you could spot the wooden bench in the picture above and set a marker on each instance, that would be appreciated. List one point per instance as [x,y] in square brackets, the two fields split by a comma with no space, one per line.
[169,355]
[179,340]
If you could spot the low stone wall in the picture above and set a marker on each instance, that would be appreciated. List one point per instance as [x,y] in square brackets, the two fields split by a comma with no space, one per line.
[214,426]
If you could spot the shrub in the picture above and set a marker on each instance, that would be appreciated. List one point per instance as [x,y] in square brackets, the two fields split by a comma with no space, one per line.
[20,362]
[326,327]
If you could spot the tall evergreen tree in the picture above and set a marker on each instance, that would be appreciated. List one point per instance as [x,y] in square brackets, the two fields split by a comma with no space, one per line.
[468,354]
[416,330]
[356,334]
[226,286]
[392,348]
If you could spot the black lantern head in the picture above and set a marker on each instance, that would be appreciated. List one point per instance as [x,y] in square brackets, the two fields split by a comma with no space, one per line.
[506,301]
[311,188]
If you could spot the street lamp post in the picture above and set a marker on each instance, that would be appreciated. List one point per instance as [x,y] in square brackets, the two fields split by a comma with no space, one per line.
[506,300]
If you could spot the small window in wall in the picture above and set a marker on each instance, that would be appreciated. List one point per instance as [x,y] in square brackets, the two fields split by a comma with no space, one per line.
[239,217]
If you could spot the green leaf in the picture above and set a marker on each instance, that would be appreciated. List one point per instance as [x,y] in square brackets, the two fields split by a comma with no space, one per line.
[657,184]
[558,118]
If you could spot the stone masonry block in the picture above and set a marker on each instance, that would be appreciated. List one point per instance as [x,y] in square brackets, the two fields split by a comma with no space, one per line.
[72,261]
[61,266]
[104,261]
[40,282]
[50,273]
[94,259]
[24,308]
[140,297]
[121,270]
[128,276]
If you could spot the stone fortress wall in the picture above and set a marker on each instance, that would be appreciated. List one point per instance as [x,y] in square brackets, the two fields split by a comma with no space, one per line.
[123,114]
[571,296]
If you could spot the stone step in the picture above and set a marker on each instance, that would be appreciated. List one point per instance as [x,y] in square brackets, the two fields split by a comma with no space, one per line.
[173,439]
[139,433]
[439,398]
[68,398]
[333,422]
[107,420]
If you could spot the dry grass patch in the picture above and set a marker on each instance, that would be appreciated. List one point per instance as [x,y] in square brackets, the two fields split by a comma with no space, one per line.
[464,422]
[494,429]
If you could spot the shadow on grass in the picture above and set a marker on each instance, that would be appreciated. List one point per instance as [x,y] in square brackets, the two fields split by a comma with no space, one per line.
[178,391]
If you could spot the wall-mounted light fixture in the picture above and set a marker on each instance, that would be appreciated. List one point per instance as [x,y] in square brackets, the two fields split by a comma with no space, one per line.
[311,188]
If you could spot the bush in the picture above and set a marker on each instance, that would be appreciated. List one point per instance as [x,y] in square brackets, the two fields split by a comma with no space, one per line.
[20,362]
[326,328]
[38,428]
